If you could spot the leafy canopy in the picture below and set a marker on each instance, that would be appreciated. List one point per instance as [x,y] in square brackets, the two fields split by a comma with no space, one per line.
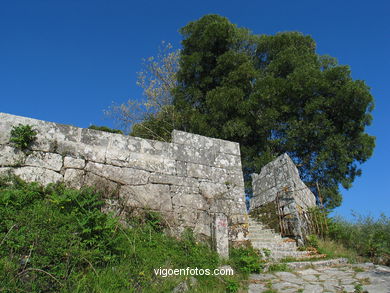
[275,94]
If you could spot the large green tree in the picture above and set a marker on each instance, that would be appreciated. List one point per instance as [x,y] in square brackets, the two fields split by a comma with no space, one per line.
[274,94]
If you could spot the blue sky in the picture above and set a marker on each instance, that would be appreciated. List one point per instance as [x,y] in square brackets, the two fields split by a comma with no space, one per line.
[67,61]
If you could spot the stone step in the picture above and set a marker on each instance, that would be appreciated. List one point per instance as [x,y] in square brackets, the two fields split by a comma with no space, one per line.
[272,231]
[281,244]
[265,240]
[316,264]
[273,247]
[264,235]
[283,254]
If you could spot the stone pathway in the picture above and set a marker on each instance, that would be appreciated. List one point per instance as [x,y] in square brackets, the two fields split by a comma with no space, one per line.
[356,278]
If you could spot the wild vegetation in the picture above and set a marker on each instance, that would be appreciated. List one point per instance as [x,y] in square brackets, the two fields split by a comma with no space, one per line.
[22,136]
[363,239]
[105,129]
[55,239]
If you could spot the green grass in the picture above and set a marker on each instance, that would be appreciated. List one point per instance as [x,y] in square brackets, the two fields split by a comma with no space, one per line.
[279,267]
[56,239]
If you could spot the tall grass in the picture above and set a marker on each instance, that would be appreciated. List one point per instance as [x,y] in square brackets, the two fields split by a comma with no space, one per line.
[365,235]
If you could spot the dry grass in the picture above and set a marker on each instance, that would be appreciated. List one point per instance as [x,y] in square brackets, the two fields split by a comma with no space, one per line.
[334,249]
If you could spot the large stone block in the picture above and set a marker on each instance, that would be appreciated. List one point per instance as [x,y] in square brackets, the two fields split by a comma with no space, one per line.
[129,176]
[108,188]
[221,235]
[184,196]
[152,163]
[194,140]
[95,137]
[38,174]
[211,190]
[45,160]
[227,161]
[10,156]
[153,196]
[193,155]
[74,178]
[199,171]
[74,163]
[203,224]
[173,180]
[229,147]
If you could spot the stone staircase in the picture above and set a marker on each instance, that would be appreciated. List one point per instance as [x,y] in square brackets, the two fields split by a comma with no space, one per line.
[262,237]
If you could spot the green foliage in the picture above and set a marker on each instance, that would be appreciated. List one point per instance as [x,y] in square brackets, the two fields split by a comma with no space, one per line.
[246,260]
[312,241]
[158,126]
[267,215]
[358,288]
[105,129]
[368,237]
[273,94]
[56,239]
[22,136]
[279,267]
[232,286]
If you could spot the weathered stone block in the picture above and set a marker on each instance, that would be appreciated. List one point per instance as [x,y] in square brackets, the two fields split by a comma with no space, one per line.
[194,140]
[183,196]
[173,180]
[153,196]
[152,163]
[203,224]
[45,160]
[181,168]
[185,216]
[74,163]
[227,161]
[229,147]
[212,190]
[199,171]
[108,188]
[194,155]
[10,156]
[221,235]
[38,174]
[128,176]
[95,137]
[74,178]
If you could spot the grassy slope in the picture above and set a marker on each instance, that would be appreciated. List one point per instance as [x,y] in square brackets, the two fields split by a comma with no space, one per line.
[56,239]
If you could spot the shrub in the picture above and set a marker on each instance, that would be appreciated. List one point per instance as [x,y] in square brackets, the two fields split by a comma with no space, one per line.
[279,267]
[246,260]
[105,129]
[312,241]
[22,136]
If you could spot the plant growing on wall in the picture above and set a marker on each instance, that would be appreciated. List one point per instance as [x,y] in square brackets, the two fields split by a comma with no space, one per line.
[22,136]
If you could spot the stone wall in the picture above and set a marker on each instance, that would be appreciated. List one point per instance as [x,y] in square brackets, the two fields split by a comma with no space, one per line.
[188,180]
[279,183]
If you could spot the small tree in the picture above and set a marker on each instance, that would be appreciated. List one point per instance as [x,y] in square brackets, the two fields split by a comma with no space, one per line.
[157,79]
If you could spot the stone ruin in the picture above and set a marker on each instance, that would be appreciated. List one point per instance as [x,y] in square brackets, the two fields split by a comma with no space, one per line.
[282,199]
[194,181]
[188,181]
